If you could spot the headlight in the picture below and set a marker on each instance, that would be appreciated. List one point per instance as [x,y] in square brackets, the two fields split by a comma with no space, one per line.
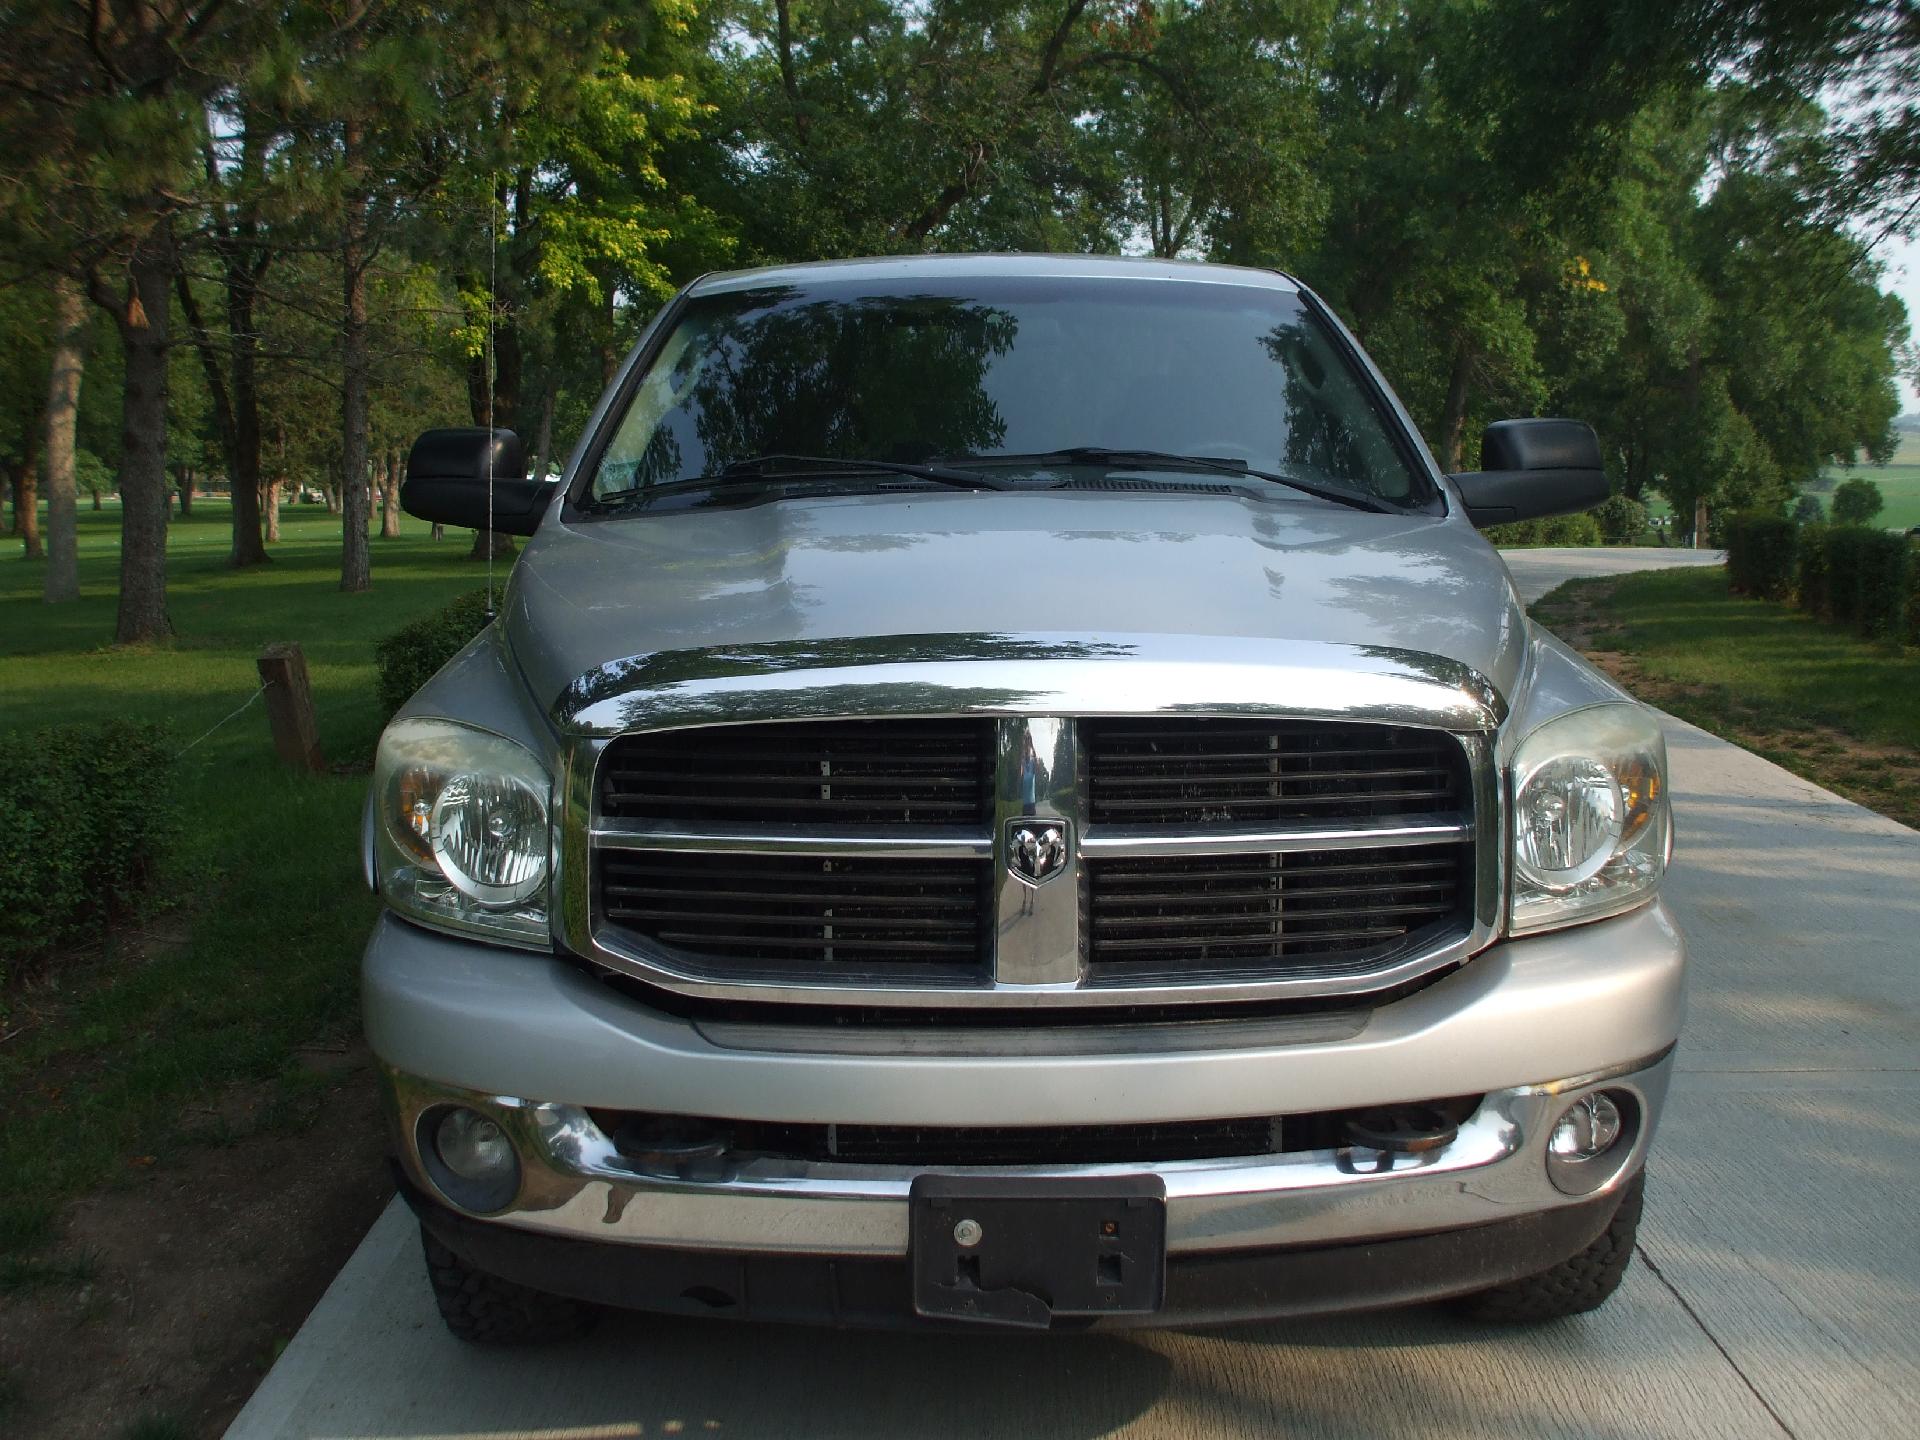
[1590,825]
[460,832]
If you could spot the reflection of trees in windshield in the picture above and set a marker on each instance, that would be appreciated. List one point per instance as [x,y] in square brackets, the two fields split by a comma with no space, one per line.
[900,378]
[1330,427]
[659,462]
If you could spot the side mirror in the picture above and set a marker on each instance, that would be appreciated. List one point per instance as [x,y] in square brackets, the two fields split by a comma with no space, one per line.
[1534,468]
[447,481]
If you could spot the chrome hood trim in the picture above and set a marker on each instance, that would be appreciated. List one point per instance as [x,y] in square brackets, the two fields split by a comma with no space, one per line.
[997,674]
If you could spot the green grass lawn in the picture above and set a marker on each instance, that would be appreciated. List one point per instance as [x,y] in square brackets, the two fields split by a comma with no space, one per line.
[1815,698]
[120,1055]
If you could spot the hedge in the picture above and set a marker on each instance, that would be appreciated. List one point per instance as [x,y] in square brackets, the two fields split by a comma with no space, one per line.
[86,812]
[1886,566]
[1579,529]
[1761,550]
[410,656]
[1814,586]
[1859,576]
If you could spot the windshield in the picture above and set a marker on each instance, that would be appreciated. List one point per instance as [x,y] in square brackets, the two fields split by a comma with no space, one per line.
[950,371]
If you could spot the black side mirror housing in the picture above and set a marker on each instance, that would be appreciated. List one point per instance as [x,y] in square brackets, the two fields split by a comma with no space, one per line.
[447,481]
[1534,468]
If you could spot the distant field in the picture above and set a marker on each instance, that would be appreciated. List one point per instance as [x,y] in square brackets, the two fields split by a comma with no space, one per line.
[1899,482]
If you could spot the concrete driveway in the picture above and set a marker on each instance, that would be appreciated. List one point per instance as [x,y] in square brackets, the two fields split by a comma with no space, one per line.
[1777,1291]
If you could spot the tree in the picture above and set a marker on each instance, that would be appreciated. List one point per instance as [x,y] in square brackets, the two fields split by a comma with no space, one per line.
[242,247]
[65,367]
[1856,502]
[23,394]
[1807,510]
[100,124]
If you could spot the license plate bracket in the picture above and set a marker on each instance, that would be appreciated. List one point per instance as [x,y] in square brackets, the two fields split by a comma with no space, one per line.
[1017,1250]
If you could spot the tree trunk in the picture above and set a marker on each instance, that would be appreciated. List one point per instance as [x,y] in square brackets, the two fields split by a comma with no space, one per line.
[272,515]
[26,492]
[141,318]
[1453,423]
[543,442]
[13,492]
[96,498]
[186,490]
[63,406]
[502,546]
[390,495]
[439,532]
[356,561]
[246,264]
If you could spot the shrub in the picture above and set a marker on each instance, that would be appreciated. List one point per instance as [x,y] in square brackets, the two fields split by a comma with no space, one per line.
[1867,573]
[410,656]
[1807,510]
[1760,554]
[1885,579]
[85,813]
[1856,502]
[1913,592]
[1621,519]
[1556,530]
[1815,582]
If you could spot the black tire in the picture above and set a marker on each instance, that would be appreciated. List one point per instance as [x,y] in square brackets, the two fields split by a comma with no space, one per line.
[483,1309]
[1574,1286]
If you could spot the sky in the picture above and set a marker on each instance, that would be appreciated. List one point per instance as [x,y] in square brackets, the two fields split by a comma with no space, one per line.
[1903,279]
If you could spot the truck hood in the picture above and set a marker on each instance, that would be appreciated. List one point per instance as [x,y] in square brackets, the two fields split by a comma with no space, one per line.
[969,563]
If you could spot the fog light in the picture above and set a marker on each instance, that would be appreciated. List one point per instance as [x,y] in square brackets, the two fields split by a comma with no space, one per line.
[1592,1141]
[1588,1129]
[473,1147]
[469,1157]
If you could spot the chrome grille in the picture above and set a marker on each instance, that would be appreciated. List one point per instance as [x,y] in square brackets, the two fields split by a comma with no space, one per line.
[1162,916]
[1206,772]
[802,910]
[889,772]
[869,861]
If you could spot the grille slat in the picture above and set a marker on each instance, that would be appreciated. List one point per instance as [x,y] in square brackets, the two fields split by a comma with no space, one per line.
[1133,810]
[1196,772]
[798,910]
[881,772]
[1222,913]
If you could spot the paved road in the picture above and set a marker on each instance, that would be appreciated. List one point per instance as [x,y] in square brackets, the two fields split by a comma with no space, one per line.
[1777,1291]
[1535,572]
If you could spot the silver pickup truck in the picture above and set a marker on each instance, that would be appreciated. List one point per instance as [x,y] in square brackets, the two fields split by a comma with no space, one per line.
[1008,791]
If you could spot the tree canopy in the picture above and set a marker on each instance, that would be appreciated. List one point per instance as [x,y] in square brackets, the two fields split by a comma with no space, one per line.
[393,214]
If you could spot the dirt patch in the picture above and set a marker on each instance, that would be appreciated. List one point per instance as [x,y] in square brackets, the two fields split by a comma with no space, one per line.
[171,1294]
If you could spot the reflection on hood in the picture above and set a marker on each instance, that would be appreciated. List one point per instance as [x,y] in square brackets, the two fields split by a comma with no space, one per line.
[973,563]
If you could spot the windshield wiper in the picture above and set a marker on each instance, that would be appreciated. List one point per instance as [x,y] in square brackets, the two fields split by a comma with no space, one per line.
[1127,459]
[777,467]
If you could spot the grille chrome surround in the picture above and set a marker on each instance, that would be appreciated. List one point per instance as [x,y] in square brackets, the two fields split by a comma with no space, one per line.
[1056,945]
[1037,958]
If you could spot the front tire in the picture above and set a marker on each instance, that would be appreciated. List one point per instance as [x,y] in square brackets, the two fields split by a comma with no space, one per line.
[1574,1286]
[483,1309]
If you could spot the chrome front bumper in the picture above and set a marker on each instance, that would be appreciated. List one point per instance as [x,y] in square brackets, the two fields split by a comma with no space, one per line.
[1529,1024]
[576,1185]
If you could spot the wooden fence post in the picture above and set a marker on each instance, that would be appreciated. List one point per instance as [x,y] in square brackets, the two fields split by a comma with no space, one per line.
[296,734]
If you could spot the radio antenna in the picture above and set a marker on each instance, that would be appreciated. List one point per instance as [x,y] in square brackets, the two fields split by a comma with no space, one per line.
[488,359]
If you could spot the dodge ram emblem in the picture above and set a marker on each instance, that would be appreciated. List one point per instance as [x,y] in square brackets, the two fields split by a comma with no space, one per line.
[1036,849]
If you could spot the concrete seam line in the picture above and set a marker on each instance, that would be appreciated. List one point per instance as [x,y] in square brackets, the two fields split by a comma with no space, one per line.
[1725,1354]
